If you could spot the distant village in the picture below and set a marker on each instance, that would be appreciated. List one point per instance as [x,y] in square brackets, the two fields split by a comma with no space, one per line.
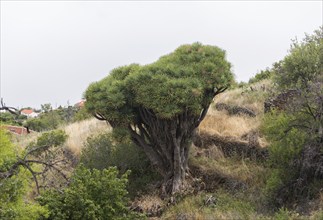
[18,123]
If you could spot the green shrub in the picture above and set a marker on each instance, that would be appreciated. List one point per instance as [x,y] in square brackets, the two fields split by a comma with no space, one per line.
[53,138]
[295,175]
[106,149]
[263,74]
[46,121]
[96,152]
[296,133]
[92,194]
[286,146]
[10,119]
[14,189]
[303,64]
[286,140]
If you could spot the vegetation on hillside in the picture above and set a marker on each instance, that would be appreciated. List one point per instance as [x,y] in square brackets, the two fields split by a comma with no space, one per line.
[243,163]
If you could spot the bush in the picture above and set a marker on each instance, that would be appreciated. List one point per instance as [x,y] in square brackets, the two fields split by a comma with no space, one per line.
[303,64]
[106,149]
[296,134]
[296,148]
[53,138]
[14,190]
[45,122]
[92,194]
[96,152]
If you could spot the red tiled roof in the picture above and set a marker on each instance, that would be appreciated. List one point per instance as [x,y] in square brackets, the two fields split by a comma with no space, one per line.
[27,111]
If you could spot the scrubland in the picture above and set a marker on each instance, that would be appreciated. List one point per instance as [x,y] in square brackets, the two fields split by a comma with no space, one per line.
[227,184]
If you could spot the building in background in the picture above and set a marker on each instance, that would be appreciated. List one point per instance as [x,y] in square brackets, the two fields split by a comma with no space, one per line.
[29,113]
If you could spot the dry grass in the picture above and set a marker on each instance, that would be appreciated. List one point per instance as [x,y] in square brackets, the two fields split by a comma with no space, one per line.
[78,133]
[21,141]
[146,202]
[218,122]
[244,97]
[221,124]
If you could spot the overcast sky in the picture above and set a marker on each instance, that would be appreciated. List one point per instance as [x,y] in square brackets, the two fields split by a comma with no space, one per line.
[51,51]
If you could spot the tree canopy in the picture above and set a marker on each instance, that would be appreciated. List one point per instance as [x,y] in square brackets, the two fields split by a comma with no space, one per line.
[184,79]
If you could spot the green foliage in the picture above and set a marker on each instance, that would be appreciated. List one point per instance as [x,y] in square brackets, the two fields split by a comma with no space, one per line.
[47,107]
[50,119]
[286,139]
[263,74]
[106,149]
[96,152]
[6,148]
[81,115]
[303,64]
[7,118]
[13,200]
[296,133]
[285,214]
[174,83]
[46,121]
[296,146]
[52,138]
[162,100]
[92,194]
[287,142]
[14,190]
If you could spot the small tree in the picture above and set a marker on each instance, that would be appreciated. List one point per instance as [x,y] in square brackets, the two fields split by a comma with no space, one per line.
[14,187]
[46,107]
[296,134]
[43,159]
[162,104]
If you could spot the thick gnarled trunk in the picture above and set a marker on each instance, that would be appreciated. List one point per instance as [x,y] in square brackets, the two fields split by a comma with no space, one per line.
[166,142]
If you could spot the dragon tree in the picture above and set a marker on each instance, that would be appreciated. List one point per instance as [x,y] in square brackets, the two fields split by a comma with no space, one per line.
[161,104]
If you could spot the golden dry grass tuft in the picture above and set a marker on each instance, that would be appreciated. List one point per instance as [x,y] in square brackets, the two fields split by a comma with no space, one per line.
[146,202]
[78,133]
[219,123]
